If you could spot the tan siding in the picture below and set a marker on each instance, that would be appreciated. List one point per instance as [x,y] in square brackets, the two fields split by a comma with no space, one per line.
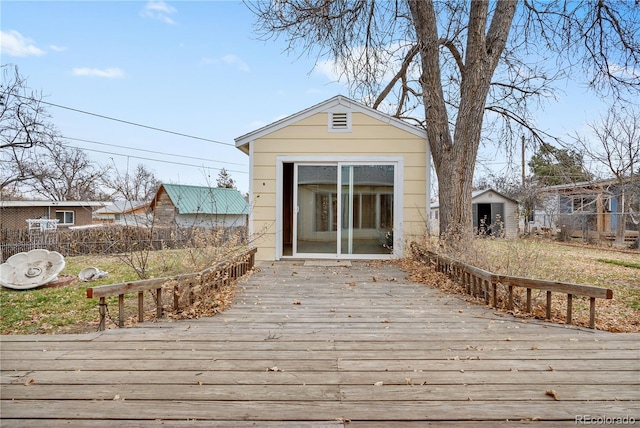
[266,199]
[339,145]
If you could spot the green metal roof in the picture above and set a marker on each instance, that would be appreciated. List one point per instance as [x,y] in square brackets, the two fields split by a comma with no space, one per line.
[206,200]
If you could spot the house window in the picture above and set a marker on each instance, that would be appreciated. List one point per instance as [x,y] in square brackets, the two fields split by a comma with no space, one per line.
[370,211]
[66,217]
[386,211]
[340,122]
[566,204]
[326,208]
[584,204]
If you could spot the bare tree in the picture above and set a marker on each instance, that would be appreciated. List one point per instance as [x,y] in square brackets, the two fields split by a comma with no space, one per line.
[615,145]
[141,185]
[61,173]
[445,64]
[24,125]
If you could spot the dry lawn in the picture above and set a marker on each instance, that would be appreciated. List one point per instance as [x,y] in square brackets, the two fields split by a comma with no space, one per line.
[602,267]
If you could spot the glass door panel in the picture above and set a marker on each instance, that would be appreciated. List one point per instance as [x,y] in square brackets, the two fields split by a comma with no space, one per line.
[316,214]
[366,196]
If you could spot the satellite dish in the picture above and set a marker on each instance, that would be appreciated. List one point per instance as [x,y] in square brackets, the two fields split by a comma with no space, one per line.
[24,271]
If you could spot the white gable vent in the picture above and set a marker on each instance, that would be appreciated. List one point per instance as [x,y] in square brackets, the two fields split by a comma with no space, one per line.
[340,122]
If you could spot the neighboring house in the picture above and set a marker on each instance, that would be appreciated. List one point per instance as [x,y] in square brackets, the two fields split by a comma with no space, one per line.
[589,210]
[127,213]
[338,180]
[14,214]
[494,214]
[186,206]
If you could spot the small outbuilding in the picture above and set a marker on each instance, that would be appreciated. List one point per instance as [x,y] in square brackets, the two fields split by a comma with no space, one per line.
[126,213]
[494,214]
[338,180]
[198,206]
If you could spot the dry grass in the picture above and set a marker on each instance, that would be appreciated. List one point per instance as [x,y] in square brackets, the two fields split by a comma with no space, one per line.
[550,261]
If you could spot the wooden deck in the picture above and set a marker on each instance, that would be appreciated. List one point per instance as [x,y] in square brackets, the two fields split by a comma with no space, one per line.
[325,346]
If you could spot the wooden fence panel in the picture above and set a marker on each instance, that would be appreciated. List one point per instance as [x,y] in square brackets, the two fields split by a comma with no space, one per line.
[218,275]
[478,282]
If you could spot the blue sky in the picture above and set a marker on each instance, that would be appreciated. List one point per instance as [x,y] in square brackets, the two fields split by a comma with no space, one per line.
[195,68]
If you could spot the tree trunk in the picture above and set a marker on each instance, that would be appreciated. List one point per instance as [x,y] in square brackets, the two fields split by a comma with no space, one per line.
[454,158]
[623,209]
[454,193]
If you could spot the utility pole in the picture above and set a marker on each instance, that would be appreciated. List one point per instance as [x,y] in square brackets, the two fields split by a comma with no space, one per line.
[522,161]
[526,213]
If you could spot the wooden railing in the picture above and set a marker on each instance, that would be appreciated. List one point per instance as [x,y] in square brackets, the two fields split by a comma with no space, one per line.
[216,276]
[481,283]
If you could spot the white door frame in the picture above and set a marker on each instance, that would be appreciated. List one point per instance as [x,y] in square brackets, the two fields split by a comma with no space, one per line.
[398,204]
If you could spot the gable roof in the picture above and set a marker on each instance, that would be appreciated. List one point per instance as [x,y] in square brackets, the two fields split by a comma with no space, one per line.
[121,207]
[595,184]
[338,103]
[204,200]
[476,193]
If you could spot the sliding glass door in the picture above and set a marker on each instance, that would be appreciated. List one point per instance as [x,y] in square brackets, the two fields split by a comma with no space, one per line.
[367,209]
[354,217]
[316,223]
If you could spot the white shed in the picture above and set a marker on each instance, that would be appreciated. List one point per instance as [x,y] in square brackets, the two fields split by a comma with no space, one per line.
[493,214]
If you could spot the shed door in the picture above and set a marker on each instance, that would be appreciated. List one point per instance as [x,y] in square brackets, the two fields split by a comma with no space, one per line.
[488,219]
[497,219]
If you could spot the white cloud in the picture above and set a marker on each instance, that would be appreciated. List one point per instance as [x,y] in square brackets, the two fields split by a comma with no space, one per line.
[328,69]
[257,124]
[623,72]
[229,59]
[388,61]
[13,43]
[234,60]
[58,48]
[160,11]
[109,73]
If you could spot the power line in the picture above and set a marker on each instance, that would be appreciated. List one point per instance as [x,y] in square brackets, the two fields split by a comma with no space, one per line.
[156,160]
[151,151]
[127,122]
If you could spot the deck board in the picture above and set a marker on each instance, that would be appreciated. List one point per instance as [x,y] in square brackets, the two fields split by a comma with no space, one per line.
[324,346]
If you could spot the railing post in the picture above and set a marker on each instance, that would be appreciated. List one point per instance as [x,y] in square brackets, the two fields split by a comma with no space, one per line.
[140,306]
[510,297]
[120,310]
[528,300]
[592,312]
[159,303]
[176,297]
[486,287]
[569,307]
[102,308]
[548,305]
[494,285]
